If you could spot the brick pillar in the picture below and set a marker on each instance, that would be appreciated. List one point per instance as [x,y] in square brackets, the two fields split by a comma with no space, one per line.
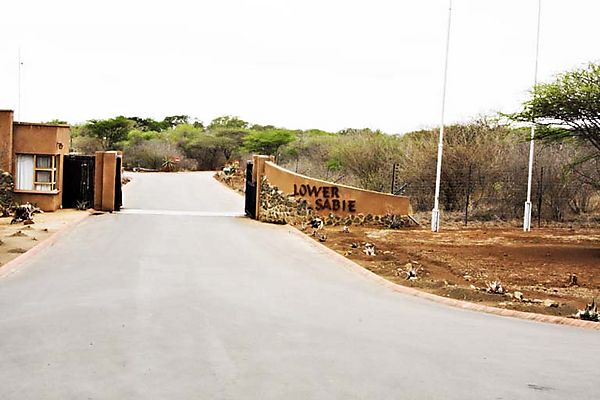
[6,141]
[104,180]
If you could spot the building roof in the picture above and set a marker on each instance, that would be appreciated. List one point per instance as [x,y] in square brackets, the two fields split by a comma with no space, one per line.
[41,124]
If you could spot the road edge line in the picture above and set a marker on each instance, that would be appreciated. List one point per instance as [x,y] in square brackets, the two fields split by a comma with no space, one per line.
[355,267]
[13,265]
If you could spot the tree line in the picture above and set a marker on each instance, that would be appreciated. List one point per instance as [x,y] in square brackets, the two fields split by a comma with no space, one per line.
[484,171]
[152,144]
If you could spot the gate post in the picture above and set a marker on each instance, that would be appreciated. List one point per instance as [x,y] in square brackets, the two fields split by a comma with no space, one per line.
[257,174]
[250,192]
[105,180]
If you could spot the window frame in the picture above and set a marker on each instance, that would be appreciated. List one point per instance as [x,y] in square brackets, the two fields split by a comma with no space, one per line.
[54,170]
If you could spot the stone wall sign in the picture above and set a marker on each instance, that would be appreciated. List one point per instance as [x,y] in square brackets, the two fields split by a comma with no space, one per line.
[326,198]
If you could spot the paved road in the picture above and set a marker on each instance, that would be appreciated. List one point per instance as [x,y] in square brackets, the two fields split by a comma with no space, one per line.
[204,305]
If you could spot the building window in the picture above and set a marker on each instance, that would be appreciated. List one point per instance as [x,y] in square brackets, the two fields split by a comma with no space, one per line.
[36,172]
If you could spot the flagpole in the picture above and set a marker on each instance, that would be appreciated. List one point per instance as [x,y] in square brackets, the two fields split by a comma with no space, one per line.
[435,213]
[19,88]
[527,213]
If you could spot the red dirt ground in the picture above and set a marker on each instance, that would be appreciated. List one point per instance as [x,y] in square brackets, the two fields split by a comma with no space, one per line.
[539,263]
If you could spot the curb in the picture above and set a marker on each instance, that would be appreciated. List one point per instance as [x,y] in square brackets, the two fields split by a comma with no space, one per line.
[349,264]
[12,266]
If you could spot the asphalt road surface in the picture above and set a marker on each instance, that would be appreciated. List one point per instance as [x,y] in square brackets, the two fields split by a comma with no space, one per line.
[179,298]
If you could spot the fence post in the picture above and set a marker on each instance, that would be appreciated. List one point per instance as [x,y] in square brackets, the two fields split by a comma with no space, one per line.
[540,195]
[394,178]
[468,195]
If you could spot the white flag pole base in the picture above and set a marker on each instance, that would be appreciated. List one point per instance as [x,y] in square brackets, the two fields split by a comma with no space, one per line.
[527,217]
[435,220]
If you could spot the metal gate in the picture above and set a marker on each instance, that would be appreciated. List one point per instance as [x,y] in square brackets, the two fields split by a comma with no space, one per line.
[78,181]
[118,184]
[250,206]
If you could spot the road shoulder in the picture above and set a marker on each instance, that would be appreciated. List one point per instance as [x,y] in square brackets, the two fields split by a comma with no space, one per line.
[22,242]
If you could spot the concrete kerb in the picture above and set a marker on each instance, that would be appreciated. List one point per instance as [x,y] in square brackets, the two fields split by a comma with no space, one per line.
[13,265]
[347,263]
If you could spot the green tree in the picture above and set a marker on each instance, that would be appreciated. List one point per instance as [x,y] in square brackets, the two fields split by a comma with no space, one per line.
[258,127]
[210,151]
[175,120]
[183,134]
[568,107]
[268,141]
[227,121]
[233,140]
[57,122]
[136,136]
[109,131]
[146,124]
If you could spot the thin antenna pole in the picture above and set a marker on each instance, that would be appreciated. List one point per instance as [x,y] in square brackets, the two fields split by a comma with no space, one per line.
[527,214]
[435,213]
[19,88]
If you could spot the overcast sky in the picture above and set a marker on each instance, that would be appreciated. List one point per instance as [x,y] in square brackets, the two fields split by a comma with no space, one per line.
[299,64]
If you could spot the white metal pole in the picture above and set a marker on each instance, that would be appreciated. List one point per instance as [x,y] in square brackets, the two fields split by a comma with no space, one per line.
[527,214]
[435,213]
[19,88]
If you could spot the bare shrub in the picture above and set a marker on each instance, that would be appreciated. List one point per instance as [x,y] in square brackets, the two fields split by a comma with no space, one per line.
[150,154]
[86,145]
[188,164]
[6,193]
[484,169]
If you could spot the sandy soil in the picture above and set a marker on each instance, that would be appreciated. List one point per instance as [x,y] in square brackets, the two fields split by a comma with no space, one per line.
[459,263]
[16,239]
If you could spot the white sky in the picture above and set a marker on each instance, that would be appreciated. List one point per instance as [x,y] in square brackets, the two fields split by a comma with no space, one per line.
[326,64]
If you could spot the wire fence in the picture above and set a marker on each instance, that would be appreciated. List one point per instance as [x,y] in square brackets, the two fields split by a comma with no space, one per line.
[492,196]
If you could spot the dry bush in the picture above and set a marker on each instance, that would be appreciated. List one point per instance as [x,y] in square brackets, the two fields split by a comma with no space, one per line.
[149,154]
[483,160]
[86,145]
[7,186]
[369,158]
[188,164]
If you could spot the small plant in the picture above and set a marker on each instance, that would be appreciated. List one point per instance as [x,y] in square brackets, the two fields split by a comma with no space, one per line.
[369,249]
[411,272]
[317,225]
[232,168]
[495,287]
[590,313]
[168,164]
[24,213]
[81,205]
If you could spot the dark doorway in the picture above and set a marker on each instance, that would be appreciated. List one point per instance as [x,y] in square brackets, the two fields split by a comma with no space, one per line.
[78,181]
[250,206]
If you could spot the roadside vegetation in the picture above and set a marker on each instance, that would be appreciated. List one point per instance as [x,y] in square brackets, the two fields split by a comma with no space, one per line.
[484,173]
